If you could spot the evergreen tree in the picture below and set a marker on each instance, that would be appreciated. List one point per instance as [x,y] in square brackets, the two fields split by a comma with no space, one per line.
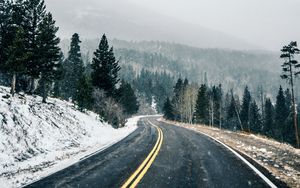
[215,100]
[245,109]
[84,92]
[281,114]
[202,105]
[291,69]
[7,33]
[105,68]
[56,92]
[17,57]
[269,118]
[127,98]
[176,101]
[255,118]
[49,53]
[231,118]
[168,110]
[288,131]
[288,99]
[34,14]
[74,70]
[13,53]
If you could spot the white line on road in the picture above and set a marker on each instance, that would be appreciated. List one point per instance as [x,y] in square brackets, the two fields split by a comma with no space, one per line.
[269,182]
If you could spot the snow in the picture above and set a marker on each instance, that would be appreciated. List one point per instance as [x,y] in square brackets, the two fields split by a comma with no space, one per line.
[281,160]
[154,105]
[38,139]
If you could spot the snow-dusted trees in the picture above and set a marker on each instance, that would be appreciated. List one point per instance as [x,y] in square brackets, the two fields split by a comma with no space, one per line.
[108,108]
[168,110]
[49,52]
[245,111]
[208,106]
[28,44]
[112,103]
[105,68]
[202,106]
[127,98]
[189,101]
[182,105]
[74,70]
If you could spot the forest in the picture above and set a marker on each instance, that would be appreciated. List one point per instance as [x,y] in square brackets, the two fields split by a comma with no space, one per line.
[31,61]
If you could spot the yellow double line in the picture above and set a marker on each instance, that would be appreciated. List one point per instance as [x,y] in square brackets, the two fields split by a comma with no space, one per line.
[136,177]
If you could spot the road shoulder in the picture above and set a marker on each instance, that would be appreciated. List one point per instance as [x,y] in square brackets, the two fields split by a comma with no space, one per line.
[279,162]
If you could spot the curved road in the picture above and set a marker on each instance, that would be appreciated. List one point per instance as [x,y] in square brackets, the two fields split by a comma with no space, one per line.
[185,159]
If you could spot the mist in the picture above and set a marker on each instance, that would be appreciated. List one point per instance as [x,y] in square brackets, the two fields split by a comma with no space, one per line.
[255,24]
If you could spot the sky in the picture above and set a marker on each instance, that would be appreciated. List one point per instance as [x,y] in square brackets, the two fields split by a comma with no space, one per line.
[266,23]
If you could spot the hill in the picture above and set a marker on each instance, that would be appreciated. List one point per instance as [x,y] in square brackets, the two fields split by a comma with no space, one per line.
[126,20]
[232,68]
[37,139]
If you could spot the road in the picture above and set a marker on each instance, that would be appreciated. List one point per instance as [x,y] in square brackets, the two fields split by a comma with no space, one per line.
[183,159]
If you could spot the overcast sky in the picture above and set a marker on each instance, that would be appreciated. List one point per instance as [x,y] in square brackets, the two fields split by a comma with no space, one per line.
[267,23]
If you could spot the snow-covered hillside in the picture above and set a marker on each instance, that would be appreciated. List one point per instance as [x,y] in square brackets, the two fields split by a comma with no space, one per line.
[37,139]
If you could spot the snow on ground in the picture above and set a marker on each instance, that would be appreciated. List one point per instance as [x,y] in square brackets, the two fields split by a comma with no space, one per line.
[38,139]
[282,160]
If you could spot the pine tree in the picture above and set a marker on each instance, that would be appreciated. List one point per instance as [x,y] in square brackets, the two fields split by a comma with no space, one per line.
[74,70]
[215,106]
[127,98]
[290,69]
[13,53]
[17,58]
[7,33]
[34,14]
[202,105]
[83,96]
[56,92]
[176,101]
[105,68]
[231,118]
[288,99]
[233,113]
[168,110]
[269,118]
[245,109]
[255,118]
[281,114]
[49,53]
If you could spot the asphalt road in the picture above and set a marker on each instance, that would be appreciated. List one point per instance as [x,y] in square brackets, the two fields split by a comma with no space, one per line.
[185,159]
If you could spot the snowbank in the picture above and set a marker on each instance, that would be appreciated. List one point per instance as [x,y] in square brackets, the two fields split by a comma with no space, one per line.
[38,139]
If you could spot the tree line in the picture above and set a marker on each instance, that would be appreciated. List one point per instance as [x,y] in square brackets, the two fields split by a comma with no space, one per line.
[210,105]
[31,58]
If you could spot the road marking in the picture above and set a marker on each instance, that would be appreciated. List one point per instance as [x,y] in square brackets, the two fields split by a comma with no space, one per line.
[136,177]
[260,174]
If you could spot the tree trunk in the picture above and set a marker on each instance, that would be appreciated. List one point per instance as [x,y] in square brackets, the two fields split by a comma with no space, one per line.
[32,87]
[44,92]
[13,84]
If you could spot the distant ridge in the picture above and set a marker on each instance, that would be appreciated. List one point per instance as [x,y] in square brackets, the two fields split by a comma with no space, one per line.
[125,20]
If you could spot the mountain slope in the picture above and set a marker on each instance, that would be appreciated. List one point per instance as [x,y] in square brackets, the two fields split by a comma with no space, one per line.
[37,138]
[125,20]
[232,68]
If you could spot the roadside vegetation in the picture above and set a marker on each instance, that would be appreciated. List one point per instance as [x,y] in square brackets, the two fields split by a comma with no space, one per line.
[254,113]
[31,61]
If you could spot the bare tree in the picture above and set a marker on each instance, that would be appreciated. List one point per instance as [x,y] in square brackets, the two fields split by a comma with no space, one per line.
[190,97]
[109,109]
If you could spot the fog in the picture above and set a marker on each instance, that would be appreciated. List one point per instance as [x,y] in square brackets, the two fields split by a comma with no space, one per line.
[249,24]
